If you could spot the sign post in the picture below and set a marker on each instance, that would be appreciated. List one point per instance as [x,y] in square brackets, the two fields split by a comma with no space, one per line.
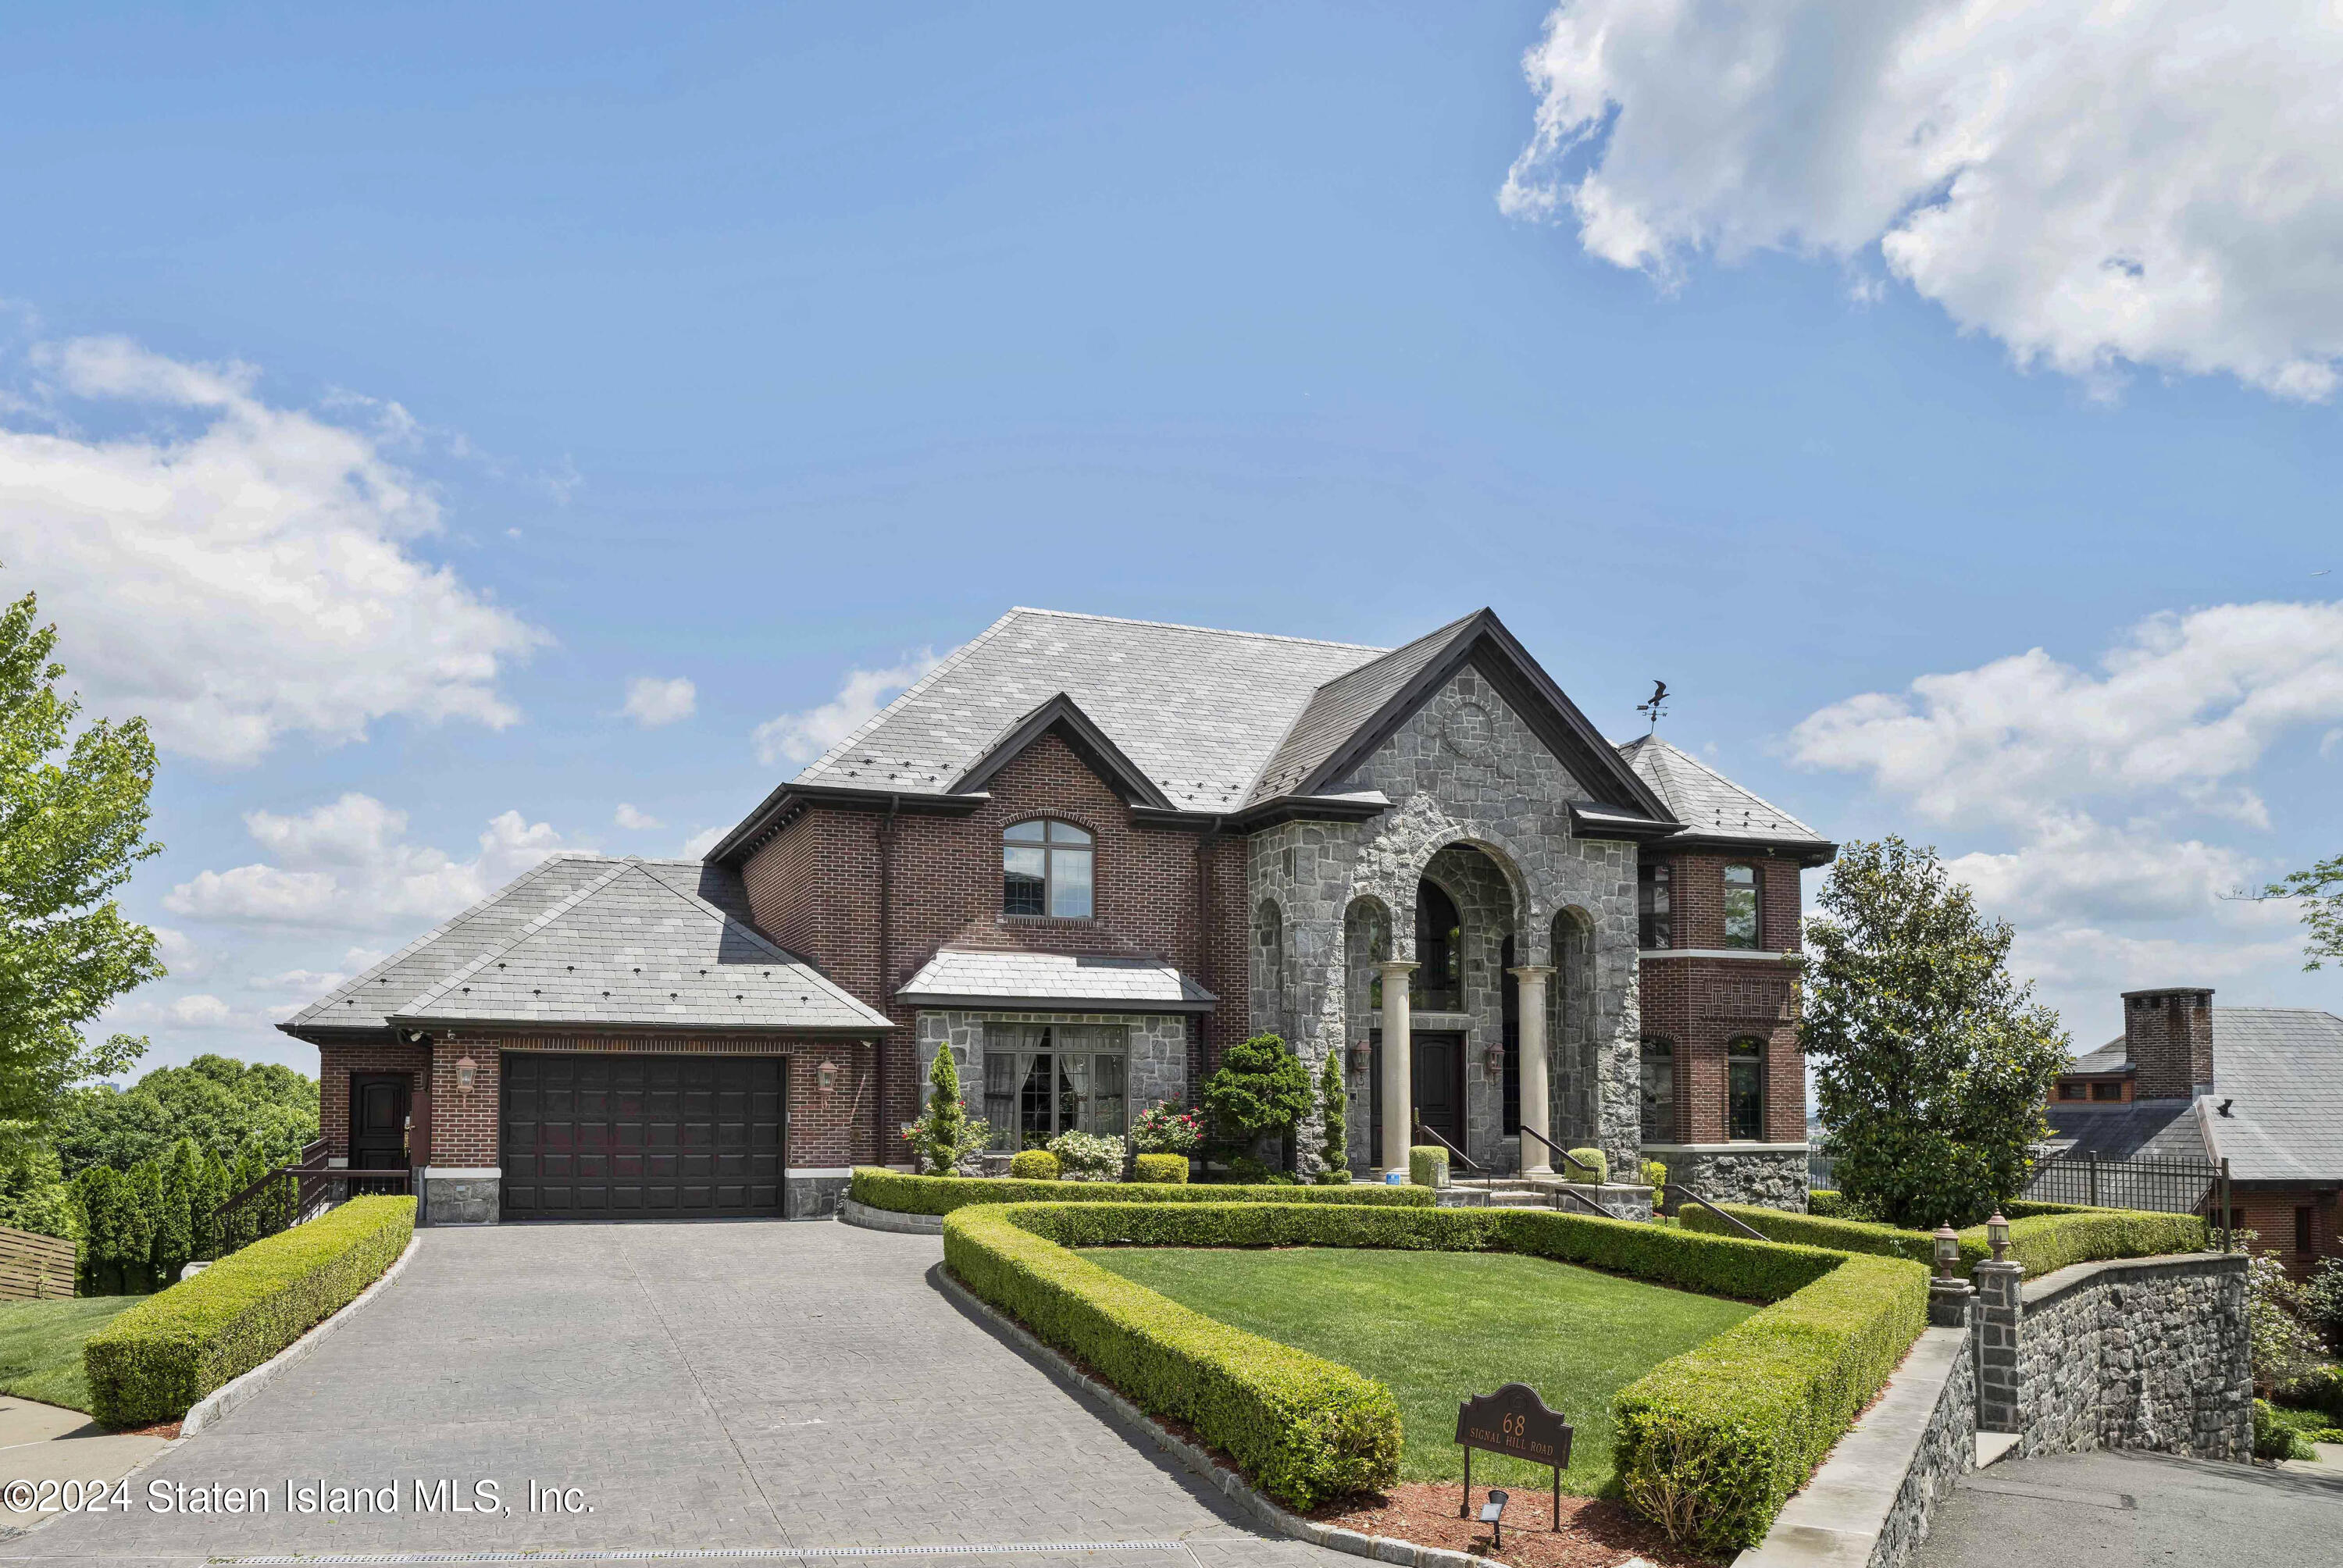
[1514,1421]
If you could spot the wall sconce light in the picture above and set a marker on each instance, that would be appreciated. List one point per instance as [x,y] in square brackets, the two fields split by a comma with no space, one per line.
[1997,1235]
[827,1076]
[1493,1060]
[466,1070]
[1949,1253]
[1361,1057]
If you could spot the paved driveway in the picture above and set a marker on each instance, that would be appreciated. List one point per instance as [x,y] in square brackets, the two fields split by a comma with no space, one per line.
[2128,1509]
[774,1386]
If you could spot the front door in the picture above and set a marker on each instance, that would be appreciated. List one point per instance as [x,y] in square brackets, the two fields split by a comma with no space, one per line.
[378,1121]
[1440,1084]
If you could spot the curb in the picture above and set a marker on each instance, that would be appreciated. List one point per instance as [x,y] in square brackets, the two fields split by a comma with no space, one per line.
[236,1391]
[1201,1460]
[851,1212]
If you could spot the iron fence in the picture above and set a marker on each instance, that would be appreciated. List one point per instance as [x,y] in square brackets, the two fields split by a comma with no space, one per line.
[1818,1173]
[2166,1186]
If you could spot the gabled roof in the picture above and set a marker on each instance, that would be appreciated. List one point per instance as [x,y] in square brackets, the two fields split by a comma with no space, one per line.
[1714,809]
[993,979]
[1064,715]
[588,939]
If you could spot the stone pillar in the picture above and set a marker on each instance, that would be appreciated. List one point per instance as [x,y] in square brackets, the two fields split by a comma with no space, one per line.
[2000,1311]
[1536,1104]
[1398,1089]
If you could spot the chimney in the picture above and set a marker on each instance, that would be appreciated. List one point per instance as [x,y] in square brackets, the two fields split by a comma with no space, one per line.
[2168,1035]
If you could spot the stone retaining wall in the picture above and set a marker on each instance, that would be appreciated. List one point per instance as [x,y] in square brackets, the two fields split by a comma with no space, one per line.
[2148,1353]
[1770,1176]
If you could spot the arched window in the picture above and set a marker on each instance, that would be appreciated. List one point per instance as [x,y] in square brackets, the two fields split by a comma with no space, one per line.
[1659,1092]
[1741,923]
[1744,1090]
[1045,869]
[1438,983]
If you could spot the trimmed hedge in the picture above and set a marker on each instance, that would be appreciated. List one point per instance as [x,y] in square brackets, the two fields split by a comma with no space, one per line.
[1830,1204]
[1594,1157]
[2050,1236]
[905,1194]
[1165,1167]
[153,1362]
[1034,1165]
[1426,1162]
[1712,1442]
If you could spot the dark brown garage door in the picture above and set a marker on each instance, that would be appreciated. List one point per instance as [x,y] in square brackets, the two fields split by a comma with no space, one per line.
[624,1136]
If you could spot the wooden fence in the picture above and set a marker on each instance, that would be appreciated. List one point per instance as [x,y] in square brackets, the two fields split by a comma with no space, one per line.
[34,1268]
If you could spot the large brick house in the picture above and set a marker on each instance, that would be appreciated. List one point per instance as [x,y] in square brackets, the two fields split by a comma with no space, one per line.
[1086,855]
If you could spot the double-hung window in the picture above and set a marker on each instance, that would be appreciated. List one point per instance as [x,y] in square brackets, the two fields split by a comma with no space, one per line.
[1741,923]
[1745,1090]
[1045,869]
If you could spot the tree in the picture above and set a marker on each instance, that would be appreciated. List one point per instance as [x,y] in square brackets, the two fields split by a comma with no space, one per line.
[1931,1065]
[2321,889]
[73,824]
[945,1134]
[1333,1104]
[226,1106]
[1259,1088]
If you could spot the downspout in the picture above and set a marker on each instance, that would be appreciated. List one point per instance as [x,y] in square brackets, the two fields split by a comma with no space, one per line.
[883,831]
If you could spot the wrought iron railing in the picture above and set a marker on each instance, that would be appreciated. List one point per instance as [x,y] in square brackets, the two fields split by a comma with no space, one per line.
[2166,1186]
[290,1194]
[1566,1157]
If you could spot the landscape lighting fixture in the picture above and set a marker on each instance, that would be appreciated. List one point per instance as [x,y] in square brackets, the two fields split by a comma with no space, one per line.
[1997,1235]
[1492,1514]
[1949,1253]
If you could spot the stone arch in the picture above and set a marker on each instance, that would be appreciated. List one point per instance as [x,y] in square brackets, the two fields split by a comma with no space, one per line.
[1403,854]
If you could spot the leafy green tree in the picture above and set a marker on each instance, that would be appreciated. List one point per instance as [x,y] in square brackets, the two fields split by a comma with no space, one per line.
[32,1193]
[1259,1088]
[1333,1111]
[2321,889]
[1931,1064]
[945,1134]
[73,824]
[181,1173]
[226,1106]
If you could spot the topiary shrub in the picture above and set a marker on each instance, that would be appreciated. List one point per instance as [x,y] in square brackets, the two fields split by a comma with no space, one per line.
[1589,1157]
[1160,1168]
[156,1359]
[1427,1165]
[1033,1165]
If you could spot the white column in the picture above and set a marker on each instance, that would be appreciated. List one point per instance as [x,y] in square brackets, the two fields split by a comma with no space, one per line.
[1398,1087]
[1531,979]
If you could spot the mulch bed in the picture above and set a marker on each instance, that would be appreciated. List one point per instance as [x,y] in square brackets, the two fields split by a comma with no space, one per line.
[1596,1532]
[163,1428]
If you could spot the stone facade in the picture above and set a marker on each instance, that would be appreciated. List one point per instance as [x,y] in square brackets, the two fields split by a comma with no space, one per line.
[2147,1354]
[471,1198]
[1155,1064]
[1769,1175]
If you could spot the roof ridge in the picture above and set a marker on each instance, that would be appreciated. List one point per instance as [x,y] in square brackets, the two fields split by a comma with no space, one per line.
[527,930]
[947,662]
[1201,630]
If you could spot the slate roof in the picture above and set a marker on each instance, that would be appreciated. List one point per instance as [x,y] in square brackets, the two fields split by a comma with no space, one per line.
[2112,1057]
[1710,805]
[1337,710]
[992,978]
[590,939]
[2138,1130]
[1198,712]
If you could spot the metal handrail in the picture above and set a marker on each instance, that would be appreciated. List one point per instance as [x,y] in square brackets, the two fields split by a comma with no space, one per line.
[1561,1192]
[1684,1192]
[1554,1148]
[1462,1158]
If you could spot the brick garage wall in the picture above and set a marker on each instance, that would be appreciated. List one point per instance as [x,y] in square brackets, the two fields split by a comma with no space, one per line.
[814,888]
[2269,1212]
[337,1061]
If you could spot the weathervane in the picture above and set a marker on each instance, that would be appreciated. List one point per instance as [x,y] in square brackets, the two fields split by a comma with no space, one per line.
[1659,696]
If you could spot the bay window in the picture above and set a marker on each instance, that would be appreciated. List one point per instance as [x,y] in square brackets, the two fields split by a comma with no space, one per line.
[1042,1079]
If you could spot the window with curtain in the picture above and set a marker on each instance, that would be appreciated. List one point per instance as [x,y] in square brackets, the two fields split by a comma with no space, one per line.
[1654,928]
[1045,869]
[1745,1090]
[1659,1092]
[1740,905]
[1438,983]
[1042,1079]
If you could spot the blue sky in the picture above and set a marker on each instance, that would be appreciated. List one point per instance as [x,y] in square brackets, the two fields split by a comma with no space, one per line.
[381,400]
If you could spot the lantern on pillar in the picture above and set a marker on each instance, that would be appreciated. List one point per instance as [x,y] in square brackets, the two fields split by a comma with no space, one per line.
[1996,1236]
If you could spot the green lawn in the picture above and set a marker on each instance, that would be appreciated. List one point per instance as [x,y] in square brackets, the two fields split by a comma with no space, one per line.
[40,1346]
[1440,1327]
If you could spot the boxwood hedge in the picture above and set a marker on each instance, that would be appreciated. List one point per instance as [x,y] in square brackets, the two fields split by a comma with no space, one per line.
[2048,1236]
[907,1194]
[1712,1442]
[153,1362]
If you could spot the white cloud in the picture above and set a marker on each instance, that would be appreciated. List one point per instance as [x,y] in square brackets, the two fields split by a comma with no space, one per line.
[238,572]
[2159,183]
[201,1010]
[699,844]
[2074,868]
[347,864]
[180,956]
[2186,705]
[803,737]
[634,821]
[651,702]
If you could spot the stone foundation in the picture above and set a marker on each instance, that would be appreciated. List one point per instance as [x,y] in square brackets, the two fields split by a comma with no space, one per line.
[452,1196]
[1769,1175]
[807,1196]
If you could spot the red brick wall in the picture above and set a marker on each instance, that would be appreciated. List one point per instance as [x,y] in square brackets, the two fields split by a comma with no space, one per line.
[815,890]
[335,1063]
[2270,1213]
[1701,1004]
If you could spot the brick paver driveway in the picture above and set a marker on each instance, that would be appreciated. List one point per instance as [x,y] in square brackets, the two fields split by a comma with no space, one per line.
[774,1386]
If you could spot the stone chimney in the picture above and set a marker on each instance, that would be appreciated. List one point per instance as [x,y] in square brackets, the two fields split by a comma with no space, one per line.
[2168,1035]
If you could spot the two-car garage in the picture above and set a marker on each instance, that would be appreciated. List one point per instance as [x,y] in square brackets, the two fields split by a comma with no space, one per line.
[622,1135]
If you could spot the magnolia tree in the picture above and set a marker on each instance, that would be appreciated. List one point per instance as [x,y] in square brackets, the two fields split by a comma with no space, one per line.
[1931,1064]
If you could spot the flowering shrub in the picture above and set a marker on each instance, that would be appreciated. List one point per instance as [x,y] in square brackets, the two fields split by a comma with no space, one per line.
[1087,1157]
[1165,1128]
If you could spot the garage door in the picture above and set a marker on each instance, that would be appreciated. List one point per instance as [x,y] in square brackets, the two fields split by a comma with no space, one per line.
[622,1137]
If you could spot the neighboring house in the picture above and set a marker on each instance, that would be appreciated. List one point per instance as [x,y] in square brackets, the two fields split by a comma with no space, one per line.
[1088,855]
[2259,1087]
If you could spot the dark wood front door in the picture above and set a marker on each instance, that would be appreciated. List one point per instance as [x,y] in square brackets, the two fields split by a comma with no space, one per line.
[378,1103]
[1440,1084]
[628,1137]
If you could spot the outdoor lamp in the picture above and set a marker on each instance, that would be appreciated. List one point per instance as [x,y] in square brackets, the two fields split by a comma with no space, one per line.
[466,1070]
[1493,1060]
[1997,1235]
[1949,1253]
[1360,1056]
[1492,1514]
[827,1075]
